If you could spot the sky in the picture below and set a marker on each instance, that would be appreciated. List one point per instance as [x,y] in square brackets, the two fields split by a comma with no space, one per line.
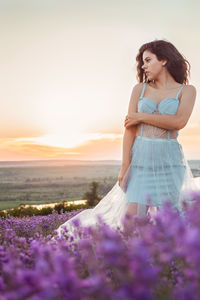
[67,69]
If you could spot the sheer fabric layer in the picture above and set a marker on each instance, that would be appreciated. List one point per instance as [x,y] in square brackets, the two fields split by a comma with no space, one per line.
[158,171]
[155,132]
[112,208]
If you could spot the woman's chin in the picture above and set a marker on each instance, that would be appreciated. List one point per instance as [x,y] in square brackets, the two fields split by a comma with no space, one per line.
[150,79]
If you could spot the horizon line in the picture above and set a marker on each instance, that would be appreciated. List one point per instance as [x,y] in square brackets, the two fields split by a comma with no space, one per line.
[54,160]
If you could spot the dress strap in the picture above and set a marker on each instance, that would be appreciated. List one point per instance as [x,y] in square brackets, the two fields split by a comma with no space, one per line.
[179,91]
[144,85]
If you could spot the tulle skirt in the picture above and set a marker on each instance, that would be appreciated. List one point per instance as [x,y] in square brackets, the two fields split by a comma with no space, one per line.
[158,171]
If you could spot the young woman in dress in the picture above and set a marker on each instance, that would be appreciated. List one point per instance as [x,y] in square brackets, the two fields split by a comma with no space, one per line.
[160,105]
[153,164]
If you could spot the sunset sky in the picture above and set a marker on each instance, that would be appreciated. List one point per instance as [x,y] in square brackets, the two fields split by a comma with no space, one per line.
[68,69]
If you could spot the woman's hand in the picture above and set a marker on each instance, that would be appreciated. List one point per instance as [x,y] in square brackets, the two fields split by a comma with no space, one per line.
[133,119]
[121,181]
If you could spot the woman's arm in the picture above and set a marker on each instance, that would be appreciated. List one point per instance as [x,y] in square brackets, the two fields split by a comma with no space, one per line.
[169,122]
[129,137]
[128,140]
[130,133]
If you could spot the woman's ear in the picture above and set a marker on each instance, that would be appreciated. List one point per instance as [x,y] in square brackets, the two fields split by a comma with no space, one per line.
[164,63]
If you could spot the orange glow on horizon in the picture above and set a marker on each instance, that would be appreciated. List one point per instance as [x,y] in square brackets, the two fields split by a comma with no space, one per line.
[90,147]
[105,147]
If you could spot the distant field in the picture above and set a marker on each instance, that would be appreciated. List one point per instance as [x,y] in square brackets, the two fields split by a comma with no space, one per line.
[27,183]
[47,184]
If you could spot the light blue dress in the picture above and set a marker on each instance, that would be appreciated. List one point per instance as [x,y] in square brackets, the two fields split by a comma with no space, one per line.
[158,167]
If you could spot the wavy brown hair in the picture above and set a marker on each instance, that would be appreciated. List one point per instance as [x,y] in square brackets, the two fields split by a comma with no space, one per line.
[176,65]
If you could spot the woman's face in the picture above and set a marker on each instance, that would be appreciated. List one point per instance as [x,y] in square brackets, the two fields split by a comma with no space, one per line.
[151,65]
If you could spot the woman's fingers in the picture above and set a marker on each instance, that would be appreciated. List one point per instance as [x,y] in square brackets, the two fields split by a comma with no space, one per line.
[126,123]
[131,120]
[119,180]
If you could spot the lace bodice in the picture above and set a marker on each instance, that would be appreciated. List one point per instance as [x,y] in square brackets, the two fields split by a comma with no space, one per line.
[155,132]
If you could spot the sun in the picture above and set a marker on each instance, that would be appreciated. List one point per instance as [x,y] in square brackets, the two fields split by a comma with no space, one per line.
[57,140]
[68,141]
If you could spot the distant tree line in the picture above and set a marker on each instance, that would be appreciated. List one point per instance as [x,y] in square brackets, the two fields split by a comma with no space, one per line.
[36,179]
[91,196]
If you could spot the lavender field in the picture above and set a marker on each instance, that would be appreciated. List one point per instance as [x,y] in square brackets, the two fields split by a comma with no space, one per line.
[147,258]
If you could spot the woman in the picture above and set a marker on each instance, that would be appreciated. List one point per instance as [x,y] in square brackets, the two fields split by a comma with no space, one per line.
[158,109]
[153,165]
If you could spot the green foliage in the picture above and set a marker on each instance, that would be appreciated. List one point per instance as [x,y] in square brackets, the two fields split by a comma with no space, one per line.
[33,211]
[92,196]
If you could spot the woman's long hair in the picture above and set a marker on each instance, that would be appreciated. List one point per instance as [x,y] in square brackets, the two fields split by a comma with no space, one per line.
[177,65]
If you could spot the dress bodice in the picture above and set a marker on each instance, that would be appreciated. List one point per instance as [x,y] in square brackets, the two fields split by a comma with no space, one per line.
[167,106]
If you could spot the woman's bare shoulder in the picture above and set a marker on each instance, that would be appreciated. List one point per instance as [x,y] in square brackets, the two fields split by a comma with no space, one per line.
[190,87]
[139,85]
[136,91]
[137,88]
[189,90]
